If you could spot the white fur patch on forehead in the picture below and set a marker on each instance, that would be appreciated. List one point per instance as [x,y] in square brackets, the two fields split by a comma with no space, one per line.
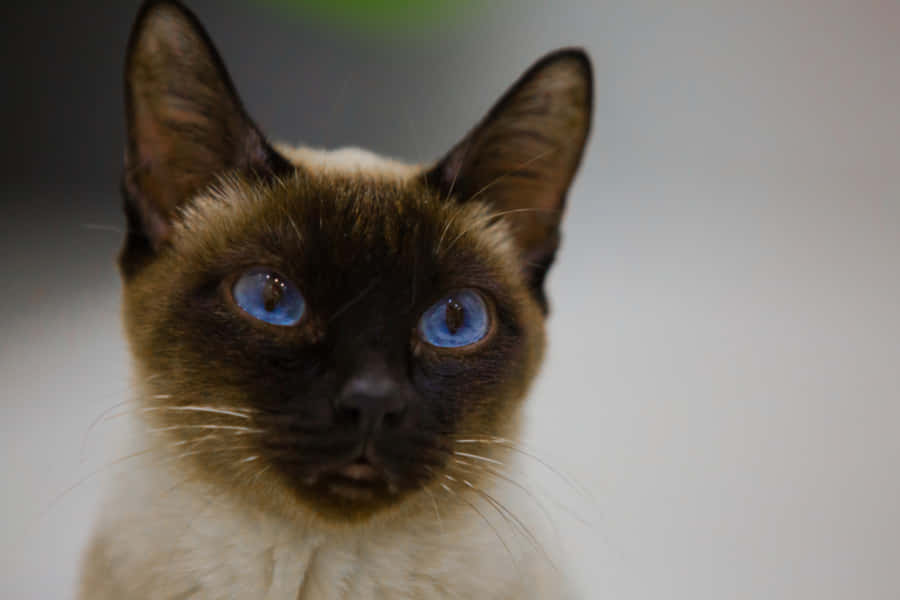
[478,224]
[229,202]
[350,161]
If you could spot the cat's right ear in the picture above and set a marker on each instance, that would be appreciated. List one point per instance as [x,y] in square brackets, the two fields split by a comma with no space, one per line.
[185,125]
[521,158]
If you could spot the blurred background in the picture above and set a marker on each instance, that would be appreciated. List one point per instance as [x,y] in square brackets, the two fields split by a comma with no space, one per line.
[723,374]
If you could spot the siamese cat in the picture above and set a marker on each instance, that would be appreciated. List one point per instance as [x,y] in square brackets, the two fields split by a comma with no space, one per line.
[331,349]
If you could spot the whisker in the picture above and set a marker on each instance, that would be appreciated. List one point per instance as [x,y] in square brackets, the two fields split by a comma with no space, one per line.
[511,172]
[538,491]
[220,427]
[354,300]
[437,513]
[440,242]
[259,473]
[81,481]
[208,409]
[195,440]
[496,505]
[126,389]
[482,191]
[495,215]
[478,457]
[210,451]
[519,486]
[450,194]
[511,518]
[462,160]
[294,226]
[486,521]
[518,448]
[547,496]
[191,453]
[94,423]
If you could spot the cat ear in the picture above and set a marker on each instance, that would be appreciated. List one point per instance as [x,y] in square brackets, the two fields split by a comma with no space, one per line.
[185,122]
[523,155]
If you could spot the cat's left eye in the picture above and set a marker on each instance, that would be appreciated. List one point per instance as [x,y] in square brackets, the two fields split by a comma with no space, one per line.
[269,297]
[456,320]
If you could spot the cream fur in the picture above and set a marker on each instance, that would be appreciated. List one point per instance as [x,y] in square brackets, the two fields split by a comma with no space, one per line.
[351,161]
[163,538]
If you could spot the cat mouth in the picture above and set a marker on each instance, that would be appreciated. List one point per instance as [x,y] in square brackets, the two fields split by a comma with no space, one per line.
[361,471]
[358,480]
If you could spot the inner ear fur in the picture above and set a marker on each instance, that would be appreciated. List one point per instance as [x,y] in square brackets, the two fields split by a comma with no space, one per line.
[185,122]
[521,158]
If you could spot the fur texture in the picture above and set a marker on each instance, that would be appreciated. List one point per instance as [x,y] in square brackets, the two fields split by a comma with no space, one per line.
[234,486]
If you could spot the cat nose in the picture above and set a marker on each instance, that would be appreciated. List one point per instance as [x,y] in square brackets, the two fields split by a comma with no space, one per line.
[370,401]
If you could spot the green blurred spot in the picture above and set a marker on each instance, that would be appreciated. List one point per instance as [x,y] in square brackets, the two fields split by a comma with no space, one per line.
[387,16]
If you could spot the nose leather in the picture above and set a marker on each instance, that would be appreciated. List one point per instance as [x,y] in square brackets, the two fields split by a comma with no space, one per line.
[370,398]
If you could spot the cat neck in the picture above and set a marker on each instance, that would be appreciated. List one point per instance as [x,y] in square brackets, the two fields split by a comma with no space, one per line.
[205,538]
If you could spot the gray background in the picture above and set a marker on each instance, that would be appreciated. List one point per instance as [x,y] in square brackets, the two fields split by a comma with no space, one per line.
[723,374]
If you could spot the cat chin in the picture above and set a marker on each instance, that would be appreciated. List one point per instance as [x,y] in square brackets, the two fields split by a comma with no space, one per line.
[337,499]
[327,503]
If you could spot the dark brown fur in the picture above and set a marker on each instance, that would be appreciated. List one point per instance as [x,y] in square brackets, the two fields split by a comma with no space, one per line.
[364,252]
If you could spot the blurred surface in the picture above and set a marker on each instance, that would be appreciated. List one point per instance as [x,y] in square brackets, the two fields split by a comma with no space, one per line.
[725,336]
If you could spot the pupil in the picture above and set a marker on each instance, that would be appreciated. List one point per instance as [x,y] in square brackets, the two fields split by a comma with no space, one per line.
[454,315]
[272,294]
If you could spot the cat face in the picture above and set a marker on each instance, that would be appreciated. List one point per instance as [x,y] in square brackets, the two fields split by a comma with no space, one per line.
[325,329]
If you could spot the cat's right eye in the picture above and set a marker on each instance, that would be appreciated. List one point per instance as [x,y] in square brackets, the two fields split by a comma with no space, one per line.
[269,297]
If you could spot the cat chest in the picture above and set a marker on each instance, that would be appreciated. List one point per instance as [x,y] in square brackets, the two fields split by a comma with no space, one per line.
[265,561]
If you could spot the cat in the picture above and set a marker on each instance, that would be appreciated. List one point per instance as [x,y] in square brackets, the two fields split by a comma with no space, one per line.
[331,349]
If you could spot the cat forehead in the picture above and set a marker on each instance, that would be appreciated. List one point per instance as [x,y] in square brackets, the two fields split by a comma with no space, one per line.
[347,195]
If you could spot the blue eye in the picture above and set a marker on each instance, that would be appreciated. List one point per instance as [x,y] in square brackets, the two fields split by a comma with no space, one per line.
[269,297]
[459,319]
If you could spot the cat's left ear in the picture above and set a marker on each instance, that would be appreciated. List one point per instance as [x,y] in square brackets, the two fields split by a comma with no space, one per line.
[523,155]
[185,122]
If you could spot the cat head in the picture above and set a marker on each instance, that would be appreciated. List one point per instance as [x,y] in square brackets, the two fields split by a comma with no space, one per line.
[325,328]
